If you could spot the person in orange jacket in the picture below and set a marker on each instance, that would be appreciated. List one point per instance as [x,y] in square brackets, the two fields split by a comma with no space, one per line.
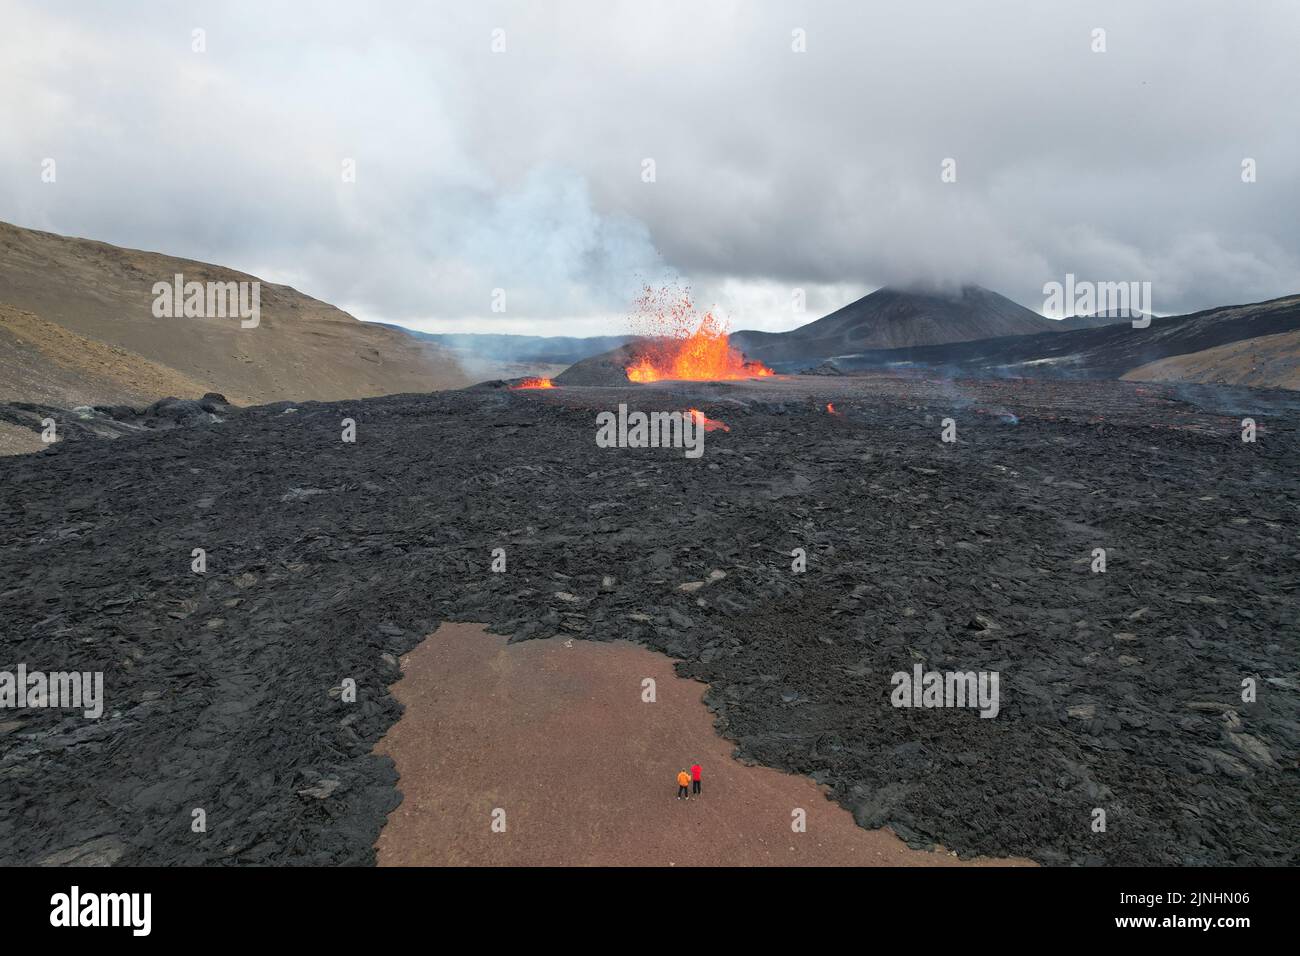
[683,786]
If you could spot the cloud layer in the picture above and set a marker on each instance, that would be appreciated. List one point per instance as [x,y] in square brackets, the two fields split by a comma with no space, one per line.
[774,170]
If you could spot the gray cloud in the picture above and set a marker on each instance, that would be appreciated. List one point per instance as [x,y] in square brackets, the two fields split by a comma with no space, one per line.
[522,170]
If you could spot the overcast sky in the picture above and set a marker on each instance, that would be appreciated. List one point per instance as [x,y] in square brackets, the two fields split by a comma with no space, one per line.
[774,170]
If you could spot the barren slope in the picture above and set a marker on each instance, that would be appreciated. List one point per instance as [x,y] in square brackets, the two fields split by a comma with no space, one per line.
[1268,361]
[41,361]
[302,349]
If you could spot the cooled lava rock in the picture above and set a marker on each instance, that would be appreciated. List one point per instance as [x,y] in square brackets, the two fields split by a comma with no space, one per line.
[256,689]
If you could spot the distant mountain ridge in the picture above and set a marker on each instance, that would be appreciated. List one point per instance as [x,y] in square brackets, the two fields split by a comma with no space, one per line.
[542,349]
[1109,351]
[1096,320]
[895,318]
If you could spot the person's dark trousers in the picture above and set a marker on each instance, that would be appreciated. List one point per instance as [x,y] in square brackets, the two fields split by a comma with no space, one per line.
[682,792]
[695,786]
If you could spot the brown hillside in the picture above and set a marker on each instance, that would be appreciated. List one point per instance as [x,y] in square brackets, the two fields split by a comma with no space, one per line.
[80,329]
[1264,361]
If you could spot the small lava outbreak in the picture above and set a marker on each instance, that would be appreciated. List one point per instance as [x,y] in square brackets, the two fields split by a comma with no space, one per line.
[534,383]
[683,344]
[710,424]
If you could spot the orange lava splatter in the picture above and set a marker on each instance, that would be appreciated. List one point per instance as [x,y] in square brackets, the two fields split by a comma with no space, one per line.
[830,407]
[534,383]
[710,424]
[679,343]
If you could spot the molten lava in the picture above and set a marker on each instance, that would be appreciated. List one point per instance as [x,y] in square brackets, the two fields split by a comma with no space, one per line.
[710,424]
[680,344]
[534,383]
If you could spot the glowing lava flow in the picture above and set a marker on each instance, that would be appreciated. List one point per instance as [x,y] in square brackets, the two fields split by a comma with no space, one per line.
[534,383]
[681,345]
[710,424]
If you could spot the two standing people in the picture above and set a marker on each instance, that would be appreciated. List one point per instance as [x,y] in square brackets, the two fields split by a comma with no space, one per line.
[688,783]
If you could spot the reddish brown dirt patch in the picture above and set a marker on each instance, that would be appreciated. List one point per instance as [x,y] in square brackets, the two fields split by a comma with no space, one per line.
[555,733]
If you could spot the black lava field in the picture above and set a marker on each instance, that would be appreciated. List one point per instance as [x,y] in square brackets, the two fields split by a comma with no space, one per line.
[1120,691]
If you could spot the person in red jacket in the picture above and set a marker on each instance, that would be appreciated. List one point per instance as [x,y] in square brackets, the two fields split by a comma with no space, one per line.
[696,772]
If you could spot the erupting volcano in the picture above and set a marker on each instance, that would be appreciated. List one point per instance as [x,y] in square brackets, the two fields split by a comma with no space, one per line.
[681,344]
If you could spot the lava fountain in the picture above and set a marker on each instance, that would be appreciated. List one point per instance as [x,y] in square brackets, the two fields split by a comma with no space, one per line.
[681,344]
